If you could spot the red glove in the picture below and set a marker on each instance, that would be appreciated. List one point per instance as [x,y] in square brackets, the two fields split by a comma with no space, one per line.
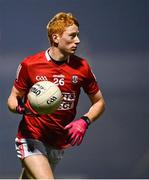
[22,109]
[76,131]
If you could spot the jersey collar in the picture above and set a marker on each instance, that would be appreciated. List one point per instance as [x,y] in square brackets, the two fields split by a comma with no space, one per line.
[47,55]
[49,58]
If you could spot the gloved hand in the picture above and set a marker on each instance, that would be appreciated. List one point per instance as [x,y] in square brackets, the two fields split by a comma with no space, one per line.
[22,109]
[76,131]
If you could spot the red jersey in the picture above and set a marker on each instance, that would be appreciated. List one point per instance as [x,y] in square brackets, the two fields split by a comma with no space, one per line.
[70,77]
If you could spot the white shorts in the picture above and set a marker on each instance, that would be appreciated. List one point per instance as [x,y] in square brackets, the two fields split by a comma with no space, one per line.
[29,147]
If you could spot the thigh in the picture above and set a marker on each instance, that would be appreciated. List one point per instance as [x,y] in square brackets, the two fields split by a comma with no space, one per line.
[25,174]
[38,167]
[36,155]
[34,158]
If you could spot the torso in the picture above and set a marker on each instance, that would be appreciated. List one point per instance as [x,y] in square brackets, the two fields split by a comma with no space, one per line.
[70,77]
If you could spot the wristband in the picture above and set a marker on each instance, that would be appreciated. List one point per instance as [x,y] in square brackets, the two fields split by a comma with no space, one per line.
[86,119]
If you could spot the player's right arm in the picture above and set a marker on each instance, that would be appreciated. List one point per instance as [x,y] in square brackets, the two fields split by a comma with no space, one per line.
[13,99]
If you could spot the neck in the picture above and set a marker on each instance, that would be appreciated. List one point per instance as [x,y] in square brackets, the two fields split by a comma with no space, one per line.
[57,55]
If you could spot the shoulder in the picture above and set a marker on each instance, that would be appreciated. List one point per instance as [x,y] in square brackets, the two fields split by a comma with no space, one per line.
[35,58]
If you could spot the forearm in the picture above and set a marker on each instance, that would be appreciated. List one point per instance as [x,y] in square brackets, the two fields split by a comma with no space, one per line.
[12,103]
[96,110]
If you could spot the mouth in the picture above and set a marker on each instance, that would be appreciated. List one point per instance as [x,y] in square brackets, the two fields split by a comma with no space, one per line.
[74,48]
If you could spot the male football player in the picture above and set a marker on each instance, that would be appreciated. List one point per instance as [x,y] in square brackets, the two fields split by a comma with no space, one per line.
[41,139]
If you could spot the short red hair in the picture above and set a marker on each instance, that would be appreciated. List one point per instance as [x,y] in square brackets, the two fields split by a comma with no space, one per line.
[59,22]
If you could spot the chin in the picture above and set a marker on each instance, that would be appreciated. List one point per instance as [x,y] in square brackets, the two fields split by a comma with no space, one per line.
[73,52]
[70,53]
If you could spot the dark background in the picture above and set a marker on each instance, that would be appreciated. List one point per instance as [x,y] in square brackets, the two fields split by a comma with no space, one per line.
[114,39]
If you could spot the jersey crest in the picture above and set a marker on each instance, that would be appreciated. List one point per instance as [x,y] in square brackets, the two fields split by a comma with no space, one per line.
[74,79]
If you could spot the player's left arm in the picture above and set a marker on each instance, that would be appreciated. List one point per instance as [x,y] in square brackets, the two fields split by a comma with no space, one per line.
[77,129]
[97,107]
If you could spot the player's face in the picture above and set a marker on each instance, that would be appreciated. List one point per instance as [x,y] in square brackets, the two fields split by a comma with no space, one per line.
[69,40]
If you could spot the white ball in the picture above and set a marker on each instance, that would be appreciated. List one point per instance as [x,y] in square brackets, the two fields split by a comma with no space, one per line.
[45,97]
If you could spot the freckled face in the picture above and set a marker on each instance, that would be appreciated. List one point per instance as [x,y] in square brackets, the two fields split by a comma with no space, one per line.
[69,40]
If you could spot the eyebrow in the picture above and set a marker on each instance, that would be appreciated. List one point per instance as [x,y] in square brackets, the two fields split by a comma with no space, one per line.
[74,32]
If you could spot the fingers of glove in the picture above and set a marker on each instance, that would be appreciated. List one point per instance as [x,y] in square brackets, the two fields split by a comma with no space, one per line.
[20,109]
[68,126]
[79,140]
[75,140]
[71,135]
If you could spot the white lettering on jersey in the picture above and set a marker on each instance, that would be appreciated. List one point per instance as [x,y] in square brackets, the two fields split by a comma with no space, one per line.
[18,71]
[59,76]
[68,101]
[59,79]
[41,78]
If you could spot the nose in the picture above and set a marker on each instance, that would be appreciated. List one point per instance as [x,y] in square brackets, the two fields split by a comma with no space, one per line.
[77,40]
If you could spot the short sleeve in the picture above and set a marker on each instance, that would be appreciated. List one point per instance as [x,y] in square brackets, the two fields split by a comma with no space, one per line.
[90,84]
[22,77]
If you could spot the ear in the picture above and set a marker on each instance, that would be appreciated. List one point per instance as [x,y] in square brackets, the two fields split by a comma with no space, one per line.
[55,38]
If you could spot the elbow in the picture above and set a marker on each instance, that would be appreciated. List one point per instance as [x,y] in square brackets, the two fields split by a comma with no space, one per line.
[103,105]
[11,106]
